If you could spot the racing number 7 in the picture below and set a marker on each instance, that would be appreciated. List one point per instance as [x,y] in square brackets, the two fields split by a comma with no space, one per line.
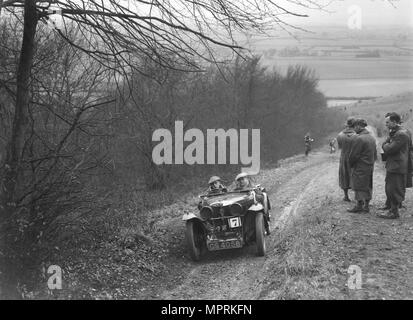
[235,222]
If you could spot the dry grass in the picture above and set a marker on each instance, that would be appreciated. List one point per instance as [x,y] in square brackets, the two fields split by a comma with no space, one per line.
[316,249]
[309,266]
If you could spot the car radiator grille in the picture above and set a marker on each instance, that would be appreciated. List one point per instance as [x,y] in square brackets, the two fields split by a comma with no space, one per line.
[221,212]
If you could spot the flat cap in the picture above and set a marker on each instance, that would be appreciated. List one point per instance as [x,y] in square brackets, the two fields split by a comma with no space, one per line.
[241,175]
[214,179]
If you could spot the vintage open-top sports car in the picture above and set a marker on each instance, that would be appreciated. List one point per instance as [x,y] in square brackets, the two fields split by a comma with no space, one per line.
[227,220]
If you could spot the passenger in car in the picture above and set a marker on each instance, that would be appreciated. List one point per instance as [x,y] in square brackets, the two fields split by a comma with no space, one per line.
[215,185]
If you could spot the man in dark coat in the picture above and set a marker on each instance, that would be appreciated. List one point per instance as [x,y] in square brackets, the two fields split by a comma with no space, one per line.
[396,150]
[344,139]
[362,156]
[409,178]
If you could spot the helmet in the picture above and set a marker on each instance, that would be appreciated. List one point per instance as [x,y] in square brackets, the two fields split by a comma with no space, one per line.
[241,175]
[214,179]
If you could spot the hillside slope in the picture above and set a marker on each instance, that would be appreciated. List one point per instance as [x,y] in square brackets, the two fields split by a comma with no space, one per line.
[313,243]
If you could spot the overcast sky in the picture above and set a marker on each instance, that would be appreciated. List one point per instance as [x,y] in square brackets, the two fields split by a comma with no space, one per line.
[377,13]
[374,12]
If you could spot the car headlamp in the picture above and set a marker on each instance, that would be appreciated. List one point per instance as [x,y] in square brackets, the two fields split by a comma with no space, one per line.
[206,213]
[236,209]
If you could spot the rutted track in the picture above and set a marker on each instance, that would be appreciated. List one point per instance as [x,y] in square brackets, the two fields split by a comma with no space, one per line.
[240,274]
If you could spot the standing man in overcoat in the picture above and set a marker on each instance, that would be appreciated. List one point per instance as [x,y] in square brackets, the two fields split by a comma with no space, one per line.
[362,157]
[409,178]
[344,139]
[396,150]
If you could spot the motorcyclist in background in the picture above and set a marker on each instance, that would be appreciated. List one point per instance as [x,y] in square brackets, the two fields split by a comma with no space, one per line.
[333,145]
[308,141]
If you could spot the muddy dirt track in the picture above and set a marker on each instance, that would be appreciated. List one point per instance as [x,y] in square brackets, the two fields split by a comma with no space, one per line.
[240,274]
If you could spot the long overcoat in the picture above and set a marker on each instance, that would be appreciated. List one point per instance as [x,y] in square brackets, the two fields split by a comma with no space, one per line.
[362,156]
[344,140]
[409,180]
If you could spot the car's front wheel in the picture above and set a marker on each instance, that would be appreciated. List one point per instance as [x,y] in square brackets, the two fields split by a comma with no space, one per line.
[260,234]
[193,239]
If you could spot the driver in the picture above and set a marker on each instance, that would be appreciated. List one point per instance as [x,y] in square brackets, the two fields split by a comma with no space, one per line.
[215,185]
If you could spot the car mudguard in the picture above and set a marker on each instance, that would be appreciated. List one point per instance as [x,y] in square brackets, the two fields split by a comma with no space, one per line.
[256,207]
[189,216]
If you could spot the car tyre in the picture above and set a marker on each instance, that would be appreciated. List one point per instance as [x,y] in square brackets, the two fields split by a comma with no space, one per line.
[193,240]
[260,234]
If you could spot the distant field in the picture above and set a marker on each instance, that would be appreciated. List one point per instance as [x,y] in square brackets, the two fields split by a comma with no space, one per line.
[275,43]
[355,77]
[337,68]
[365,87]
[332,53]
[328,37]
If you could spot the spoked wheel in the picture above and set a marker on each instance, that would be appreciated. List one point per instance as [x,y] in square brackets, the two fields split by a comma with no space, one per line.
[260,234]
[194,240]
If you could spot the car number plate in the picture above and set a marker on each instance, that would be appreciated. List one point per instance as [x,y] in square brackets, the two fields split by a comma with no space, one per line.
[235,222]
[222,245]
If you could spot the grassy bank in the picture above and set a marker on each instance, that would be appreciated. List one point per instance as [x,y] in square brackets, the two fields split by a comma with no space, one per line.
[319,245]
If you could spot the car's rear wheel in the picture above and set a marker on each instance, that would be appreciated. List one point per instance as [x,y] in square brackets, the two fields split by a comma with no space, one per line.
[260,234]
[193,240]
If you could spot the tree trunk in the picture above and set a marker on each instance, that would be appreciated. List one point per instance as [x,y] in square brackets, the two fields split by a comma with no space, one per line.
[12,178]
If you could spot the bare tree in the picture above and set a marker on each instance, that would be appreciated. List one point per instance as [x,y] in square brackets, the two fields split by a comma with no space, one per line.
[65,142]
